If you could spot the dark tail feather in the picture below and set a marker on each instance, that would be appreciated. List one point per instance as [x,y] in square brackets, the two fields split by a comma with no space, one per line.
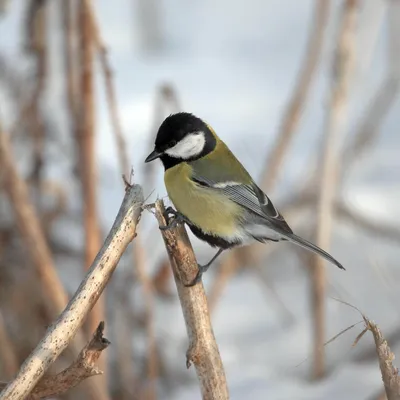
[311,247]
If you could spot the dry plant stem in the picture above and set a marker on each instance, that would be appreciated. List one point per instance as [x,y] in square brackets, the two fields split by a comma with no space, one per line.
[138,248]
[148,292]
[124,372]
[82,368]
[203,350]
[86,147]
[36,42]
[32,235]
[335,124]
[390,374]
[61,332]
[368,129]
[293,111]
[30,229]
[385,95]
[290,120]
[110,90]
[8,358]
[70,55]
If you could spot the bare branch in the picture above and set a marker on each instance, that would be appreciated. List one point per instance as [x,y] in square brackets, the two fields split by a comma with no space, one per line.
[390,374]
[386,93]
[110,90]
[203,349]
[8,358]
[35,242]
[293,111]
[152,362]
[335,124]
[71,62]
[139,255]
[86,149]
[30,228]
[82,368]
[61,332]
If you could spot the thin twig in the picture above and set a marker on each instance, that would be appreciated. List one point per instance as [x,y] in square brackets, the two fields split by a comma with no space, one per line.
[152,362]
[61,332]
[36,43]
[110,90]
[68,12]
[139,254]
[82,368]
[86,151]
[334,131]
[125,377]
[203,350]
[9,362]
[390,374]
[293,111]
[31,232]
[385,96]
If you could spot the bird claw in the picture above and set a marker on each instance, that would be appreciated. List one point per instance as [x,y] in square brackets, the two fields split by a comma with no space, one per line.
[177,220]
[202,269]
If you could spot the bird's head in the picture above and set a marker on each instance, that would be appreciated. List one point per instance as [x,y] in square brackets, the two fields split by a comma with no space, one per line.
[182,137]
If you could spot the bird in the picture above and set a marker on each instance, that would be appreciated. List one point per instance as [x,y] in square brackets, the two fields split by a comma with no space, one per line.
[214,194]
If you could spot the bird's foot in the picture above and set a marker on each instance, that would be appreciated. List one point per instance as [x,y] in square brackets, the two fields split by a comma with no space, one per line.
[177,220]
[202,269]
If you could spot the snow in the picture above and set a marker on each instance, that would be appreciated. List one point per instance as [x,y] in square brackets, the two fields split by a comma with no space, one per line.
[234,64]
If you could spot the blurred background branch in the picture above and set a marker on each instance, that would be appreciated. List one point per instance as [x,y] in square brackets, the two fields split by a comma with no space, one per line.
[335,126]
[84,87]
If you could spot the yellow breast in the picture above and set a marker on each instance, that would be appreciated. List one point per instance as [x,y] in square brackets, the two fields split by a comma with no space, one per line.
[214,214]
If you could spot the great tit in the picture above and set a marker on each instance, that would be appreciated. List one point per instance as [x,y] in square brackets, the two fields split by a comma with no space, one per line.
[213,193]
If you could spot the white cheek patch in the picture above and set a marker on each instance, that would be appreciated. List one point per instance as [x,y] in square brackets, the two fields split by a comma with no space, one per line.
[190,146]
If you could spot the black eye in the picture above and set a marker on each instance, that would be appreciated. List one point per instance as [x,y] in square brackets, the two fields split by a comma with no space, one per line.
[173,143]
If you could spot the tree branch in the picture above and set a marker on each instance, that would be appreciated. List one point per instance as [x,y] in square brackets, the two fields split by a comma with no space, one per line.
[293,111]
[8,358]
[139,254]
[85,142]
[203,349]
[83,367]
[63,330]
[30,228]
[336,118]
[390,374]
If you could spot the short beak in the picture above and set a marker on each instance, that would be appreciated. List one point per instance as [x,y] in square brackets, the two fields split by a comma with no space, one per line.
[152,156]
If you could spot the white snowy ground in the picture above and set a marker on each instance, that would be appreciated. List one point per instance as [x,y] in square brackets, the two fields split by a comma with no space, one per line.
[234,64]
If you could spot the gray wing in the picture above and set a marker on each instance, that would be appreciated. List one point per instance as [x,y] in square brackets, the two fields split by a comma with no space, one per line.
[260,207]
[251,197]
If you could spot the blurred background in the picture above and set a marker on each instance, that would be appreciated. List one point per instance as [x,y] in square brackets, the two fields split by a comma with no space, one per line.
[303,92]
